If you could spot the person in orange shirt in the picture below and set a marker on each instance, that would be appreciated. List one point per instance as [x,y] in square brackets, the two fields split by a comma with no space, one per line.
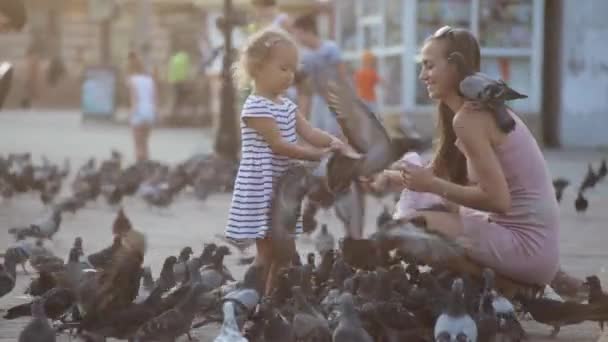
[366,79]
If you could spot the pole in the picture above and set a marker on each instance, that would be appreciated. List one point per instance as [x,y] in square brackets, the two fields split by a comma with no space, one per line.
[105,42]
[226,142]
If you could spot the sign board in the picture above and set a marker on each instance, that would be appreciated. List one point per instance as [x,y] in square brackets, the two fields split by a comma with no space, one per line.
[98,93]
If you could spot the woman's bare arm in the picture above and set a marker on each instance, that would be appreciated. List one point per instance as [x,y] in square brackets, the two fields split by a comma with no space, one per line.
[491,192]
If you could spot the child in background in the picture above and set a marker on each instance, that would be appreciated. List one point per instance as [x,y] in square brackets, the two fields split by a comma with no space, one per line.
[143,99]
[270,126]
[366,79]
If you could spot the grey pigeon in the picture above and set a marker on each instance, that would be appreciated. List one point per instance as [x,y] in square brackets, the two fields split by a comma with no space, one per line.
[44,228]
[420,243]
[350,209]
[38,329]
[362,129]
[285,209]
[172,323]
[230,330]
[179,269]
[491,93]
[455,324]
[8,275]
[349,328]
[324,241]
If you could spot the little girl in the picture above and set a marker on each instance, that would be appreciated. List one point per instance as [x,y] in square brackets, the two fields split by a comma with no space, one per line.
[142,90]
[270,125]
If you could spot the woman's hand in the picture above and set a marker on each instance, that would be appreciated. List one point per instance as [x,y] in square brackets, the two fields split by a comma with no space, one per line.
[417,178]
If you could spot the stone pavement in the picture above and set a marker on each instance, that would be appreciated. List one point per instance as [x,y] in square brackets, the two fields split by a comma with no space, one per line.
[190,222]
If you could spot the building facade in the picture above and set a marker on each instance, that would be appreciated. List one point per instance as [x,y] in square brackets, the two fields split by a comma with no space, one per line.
[510,34]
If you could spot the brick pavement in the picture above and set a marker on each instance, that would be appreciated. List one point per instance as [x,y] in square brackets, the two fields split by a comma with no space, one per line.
[190,222]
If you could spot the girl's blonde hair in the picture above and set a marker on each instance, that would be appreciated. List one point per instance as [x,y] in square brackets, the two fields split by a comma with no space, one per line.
[256,52]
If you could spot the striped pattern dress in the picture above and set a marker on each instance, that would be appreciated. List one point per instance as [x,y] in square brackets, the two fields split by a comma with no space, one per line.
[259,169]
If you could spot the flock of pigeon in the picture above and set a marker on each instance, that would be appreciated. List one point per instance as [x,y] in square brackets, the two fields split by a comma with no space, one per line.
[155,182]
[361,290]
[396,285]
[592,178]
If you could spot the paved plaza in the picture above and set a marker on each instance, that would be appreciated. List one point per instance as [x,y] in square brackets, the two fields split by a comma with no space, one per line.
[191,222]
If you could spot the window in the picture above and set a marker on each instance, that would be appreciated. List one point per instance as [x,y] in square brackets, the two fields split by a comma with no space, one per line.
[347,31]
[393,14]
[505,24]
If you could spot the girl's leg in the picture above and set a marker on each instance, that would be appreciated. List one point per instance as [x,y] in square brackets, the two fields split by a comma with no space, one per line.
[263,258]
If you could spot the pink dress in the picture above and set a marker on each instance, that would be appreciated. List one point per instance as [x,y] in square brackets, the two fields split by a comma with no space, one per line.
[523,243]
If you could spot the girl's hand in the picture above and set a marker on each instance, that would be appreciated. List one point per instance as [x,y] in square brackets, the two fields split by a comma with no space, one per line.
[338,145]
[377,183]
[417,178]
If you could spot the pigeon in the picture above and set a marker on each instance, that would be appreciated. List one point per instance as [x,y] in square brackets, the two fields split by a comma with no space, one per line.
[596,294]
[489,92]
[559,184]
[362,129]
[556,313]
[509,327]
[455,324]
[420,243]
[8,275]
[180,267]
[591,178]
[602,171]
[174,322]
[324,240]
[44,228]
[38,329]
[384,217]
[285,208]
[55,301]
[350,209]
[349,328]
[230,331]
[581,203]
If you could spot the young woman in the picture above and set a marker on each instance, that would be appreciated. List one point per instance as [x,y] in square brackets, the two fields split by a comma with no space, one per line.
[500,192]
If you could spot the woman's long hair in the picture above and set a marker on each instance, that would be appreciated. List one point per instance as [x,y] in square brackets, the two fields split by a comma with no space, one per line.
[448,162]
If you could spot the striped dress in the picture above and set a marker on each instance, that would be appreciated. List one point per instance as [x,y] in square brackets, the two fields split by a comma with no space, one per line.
[259,169]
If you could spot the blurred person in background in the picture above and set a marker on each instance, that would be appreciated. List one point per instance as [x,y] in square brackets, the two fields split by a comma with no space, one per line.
[366,79]
[143,100]
[32,80]
[179,71]
[321,61]
[267,13]
[12,15]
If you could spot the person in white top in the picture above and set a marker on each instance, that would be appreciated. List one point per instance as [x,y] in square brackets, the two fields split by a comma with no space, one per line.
[142,94]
